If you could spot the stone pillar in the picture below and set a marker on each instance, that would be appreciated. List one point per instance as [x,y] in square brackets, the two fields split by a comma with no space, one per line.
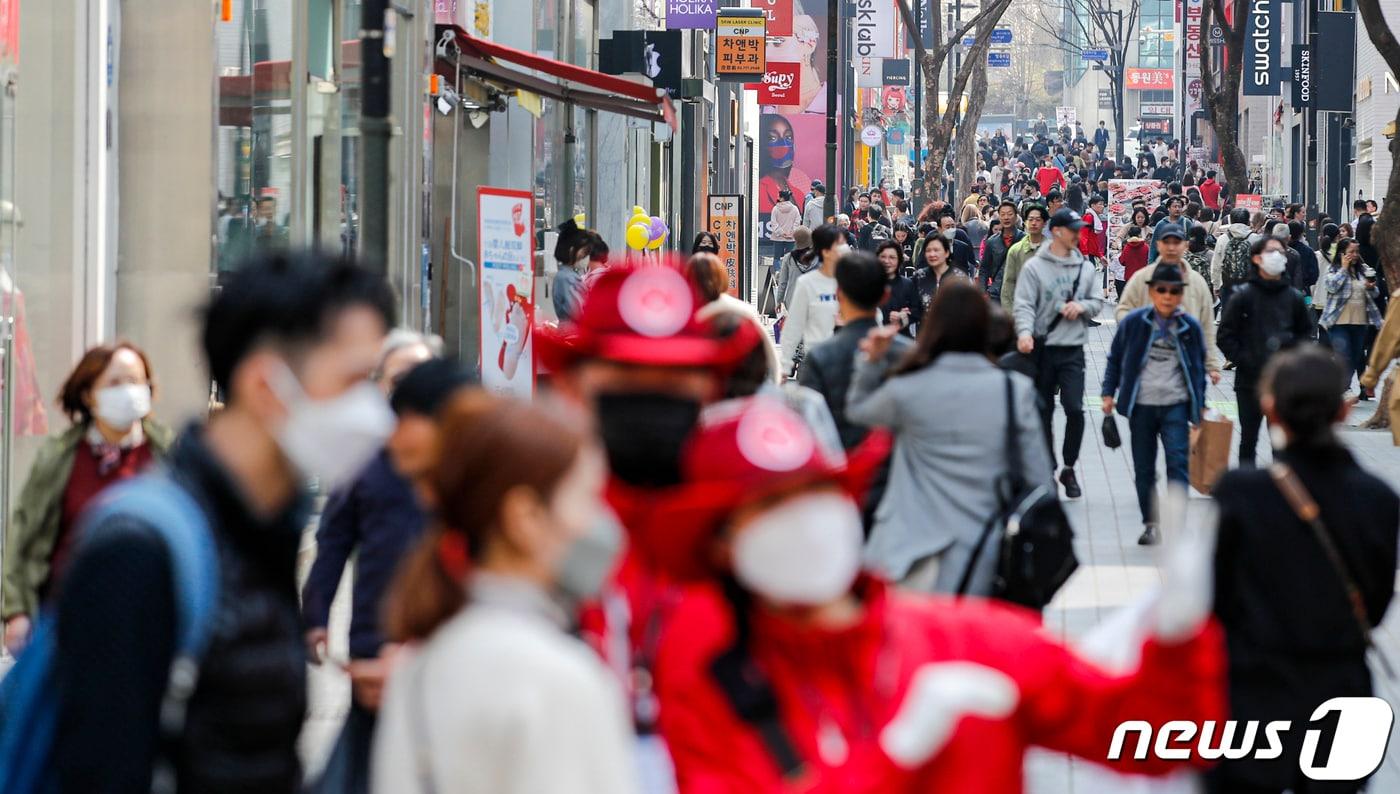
[167,192]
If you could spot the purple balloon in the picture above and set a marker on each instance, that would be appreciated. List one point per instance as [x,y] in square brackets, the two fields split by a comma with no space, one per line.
[658,228]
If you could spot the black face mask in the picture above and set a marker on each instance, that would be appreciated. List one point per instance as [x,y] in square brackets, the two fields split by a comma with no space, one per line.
[643,433]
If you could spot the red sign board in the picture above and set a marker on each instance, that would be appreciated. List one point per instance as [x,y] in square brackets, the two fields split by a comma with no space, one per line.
[781,84]
[1250,201]
[1150,79]
[779,13]
[9,31]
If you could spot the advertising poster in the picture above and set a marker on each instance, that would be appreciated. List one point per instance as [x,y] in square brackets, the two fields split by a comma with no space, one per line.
[1121,195]
[792,133]
[781,84]
[722,219]
[1253,202]
[506,235]
[779,13]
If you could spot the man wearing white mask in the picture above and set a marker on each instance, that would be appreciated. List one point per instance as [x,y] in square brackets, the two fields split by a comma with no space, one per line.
[1264,315]
[291,342]
[812,311]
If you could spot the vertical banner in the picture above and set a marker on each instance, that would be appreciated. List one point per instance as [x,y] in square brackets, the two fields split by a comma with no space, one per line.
[1302,76]
[1333,86]
[740,44]
[506,238]
[869,72]
[875,29]
[723,219]
[1195,40]
[1262,48]
[779,13]
[691,14]
[1121,195]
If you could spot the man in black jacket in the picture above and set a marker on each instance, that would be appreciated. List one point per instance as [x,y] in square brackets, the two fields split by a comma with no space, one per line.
[994,262]
[1307,258]
[291,341]
[1264,315]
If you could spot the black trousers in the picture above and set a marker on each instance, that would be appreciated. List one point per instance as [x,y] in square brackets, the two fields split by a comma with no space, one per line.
[1062,370]
[1251,416]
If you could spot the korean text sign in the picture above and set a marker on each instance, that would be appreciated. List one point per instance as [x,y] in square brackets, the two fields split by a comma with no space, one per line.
[740,44]
[723,220]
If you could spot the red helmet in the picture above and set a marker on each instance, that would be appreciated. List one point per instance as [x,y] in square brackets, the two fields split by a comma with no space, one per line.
[641,314]
[743,452]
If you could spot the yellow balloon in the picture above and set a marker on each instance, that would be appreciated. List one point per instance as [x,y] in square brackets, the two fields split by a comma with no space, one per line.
[639,210]
[637,237]
[578,220]
[636,219]
[655,244]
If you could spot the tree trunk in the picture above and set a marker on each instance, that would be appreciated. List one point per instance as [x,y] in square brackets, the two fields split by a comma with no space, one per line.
[1223,101]
[966,156]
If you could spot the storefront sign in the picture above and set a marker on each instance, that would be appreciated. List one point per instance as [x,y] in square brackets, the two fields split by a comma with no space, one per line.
[1105,99]
[1261,42]
[740,44]
[895,71]
[1332,86]
[1302,76]
[1156,109]
[1066,115]
[506,237]
[1253,202]
[872,135]
[779,13]
[652,53]
[1157,126]
[9,31]
[1195,40]
[723,219]
[875,26]
[691,14]
[781,84]
[1149,79]
[869,72]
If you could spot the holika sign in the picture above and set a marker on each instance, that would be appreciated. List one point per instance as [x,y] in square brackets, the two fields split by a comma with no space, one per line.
[691,14]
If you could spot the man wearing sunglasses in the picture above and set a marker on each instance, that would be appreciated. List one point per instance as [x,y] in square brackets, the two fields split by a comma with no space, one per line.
[1198,300]
[1157,372]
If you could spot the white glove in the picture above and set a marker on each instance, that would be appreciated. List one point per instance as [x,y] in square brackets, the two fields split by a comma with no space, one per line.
[1188,568]
[938,697]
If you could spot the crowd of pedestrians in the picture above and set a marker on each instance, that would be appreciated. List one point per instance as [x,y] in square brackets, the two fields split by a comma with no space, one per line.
[703,560]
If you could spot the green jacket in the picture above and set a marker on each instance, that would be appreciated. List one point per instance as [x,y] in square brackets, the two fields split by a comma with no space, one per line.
[33,528]
[1016,258]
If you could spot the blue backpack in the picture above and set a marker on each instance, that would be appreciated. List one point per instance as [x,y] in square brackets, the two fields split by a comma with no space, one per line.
[28,695]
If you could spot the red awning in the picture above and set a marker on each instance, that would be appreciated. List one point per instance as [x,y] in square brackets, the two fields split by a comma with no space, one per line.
[488,61]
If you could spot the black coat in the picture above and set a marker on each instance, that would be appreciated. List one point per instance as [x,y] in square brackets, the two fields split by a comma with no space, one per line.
[247,709]
[903,295]
[828,366]
[994,262]
[1291,636]
[1262,318]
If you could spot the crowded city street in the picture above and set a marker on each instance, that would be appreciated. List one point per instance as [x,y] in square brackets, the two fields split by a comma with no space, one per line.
[696,397]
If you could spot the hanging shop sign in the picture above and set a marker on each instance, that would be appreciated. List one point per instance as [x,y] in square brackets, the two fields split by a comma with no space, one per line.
[506,240]
[1332,87]
[1253,202]
[724,219]
[872,135]
[1195,40]
[1302,76]
[653,53]
[1149,79]
[869,72]
[1105,99]
[779,15]
[1155,108]
[781,84]
[894,71]
[740,44]
[691,14]
[875,28]
[1261,46]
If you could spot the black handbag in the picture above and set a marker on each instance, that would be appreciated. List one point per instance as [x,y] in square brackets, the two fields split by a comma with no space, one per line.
[1111,439]
[1036,552]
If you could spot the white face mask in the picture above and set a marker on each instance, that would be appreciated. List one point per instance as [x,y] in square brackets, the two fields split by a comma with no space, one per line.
[331,440]
[582,262]
[804,552]
[122,406]
[590,559]
[950,234]
[1273,263]
[843,249]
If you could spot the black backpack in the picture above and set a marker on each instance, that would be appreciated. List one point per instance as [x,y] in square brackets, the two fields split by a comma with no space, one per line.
[1234,268]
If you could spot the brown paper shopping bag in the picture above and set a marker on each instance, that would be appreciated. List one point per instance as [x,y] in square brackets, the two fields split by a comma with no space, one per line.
[1210,450]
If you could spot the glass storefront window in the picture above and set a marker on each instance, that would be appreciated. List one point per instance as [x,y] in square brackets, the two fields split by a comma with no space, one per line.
[253,142]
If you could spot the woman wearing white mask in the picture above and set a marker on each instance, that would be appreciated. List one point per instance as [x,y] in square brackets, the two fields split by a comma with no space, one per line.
[500,698]
[812,311]
[1264,315]
[108,399]
[796,672]
[935,269]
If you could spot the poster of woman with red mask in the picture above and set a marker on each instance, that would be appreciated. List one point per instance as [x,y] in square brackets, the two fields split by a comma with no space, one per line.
[777,162]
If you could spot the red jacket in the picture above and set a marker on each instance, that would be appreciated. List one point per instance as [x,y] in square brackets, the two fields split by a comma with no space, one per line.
[846,685]
[1047,177]
[1133,257]
[1210,194]
[1088,238]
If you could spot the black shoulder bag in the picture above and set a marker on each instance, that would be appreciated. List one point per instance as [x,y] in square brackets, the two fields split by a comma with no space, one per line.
[1037,542]
[1032,364]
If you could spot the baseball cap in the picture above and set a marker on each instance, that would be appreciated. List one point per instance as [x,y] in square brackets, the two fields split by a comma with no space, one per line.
[1066,217]
[1166,274]
[1172,230]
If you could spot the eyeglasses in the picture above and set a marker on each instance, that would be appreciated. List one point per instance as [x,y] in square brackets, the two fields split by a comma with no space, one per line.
[1168,290]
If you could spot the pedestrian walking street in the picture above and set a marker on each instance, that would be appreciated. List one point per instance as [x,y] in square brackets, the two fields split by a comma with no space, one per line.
[1113,572]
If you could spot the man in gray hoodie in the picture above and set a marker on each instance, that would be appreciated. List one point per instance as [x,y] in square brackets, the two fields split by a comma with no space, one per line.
[1230,265]
[1056,296]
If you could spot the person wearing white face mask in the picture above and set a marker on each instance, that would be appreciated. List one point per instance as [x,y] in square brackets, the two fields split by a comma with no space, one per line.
[1264,315]
[812,311]
[291,341]
[108,399]
[793,665]
[500,699]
